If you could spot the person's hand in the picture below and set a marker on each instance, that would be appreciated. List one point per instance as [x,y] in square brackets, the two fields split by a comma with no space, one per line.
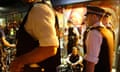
[16,66]
[13,45]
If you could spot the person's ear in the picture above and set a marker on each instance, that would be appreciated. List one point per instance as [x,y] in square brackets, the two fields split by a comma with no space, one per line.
[94,16]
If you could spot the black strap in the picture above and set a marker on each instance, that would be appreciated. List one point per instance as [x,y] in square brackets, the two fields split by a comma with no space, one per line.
[26,16]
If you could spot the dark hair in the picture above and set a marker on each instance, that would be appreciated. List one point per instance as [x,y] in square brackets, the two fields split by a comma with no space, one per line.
[43,1]
[69,21]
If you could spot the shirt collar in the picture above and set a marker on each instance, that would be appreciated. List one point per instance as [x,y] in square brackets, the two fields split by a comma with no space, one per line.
[98,24]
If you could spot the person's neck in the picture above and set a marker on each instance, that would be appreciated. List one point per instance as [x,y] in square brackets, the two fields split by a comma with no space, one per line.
[98,24]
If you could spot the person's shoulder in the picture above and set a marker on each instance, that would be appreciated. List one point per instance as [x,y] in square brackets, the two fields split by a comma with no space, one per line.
[94,33]
[1,31]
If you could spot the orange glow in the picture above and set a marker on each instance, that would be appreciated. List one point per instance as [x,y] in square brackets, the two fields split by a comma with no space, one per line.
[77,15]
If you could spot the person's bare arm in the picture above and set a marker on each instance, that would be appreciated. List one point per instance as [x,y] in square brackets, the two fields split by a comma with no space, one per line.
[6,43]
[90,66]
[37,55]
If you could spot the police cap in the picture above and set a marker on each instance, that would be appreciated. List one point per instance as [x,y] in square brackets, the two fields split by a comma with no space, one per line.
[95,10]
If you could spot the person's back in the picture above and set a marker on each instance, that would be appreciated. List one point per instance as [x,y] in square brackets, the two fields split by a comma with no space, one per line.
[37,41]
[72,39]
[105,63]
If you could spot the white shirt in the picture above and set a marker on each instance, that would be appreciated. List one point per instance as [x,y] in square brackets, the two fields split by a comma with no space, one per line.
[41,25]
[79,61]
[93,45]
